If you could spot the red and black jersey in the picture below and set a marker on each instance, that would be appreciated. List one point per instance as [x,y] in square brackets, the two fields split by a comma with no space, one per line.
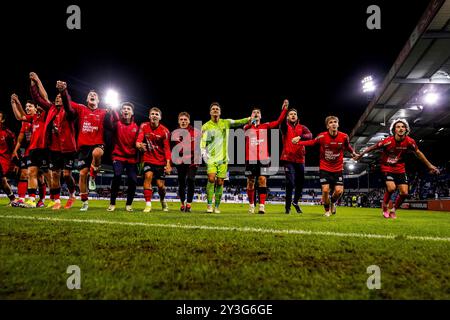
[392,158]
[59,131]
[332,150]
[187,139]
[256,138]
[7,142]
[294,152]
[37,130]
[26,129]
[90,121]
[157,141]
[125,136]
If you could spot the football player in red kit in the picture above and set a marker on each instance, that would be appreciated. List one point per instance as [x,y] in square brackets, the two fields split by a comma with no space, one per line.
[90,140]
[38,154]
[23,142]
[333,144]
[393,149]
[257,155]
[124,154]
[60,140]
[187,143]
[7,142]
[154,141]
[293,158]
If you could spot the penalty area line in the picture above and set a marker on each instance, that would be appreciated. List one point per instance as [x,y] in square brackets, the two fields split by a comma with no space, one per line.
[238,229]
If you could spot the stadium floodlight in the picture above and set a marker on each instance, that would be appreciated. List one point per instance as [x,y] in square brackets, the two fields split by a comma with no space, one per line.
[112,99]
[368,84]
[430,98]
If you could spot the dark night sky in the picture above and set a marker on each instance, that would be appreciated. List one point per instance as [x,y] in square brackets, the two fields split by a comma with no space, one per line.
[184,56]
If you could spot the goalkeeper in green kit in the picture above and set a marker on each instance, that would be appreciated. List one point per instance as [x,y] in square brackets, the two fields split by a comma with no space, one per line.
[214,147]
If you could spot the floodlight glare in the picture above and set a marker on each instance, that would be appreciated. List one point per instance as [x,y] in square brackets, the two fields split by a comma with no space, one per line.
[431,98]
[112,99]
[368,84]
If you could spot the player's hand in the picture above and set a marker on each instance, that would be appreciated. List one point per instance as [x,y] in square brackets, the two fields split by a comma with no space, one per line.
[14,155]
[355,156]
[205,155]
[296,140]
[14,98]
[434,170]
[168,169]
[285,104]
[34,77]
[141,146]
[61,85]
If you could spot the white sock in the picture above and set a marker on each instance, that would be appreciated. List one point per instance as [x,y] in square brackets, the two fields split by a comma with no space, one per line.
[148,203]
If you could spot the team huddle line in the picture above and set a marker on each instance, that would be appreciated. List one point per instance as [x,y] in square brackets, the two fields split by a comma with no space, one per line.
[54,134]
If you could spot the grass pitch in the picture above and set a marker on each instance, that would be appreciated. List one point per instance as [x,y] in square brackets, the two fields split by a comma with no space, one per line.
[231,255]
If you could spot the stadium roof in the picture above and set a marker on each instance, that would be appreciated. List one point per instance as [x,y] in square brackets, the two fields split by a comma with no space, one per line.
[423,66]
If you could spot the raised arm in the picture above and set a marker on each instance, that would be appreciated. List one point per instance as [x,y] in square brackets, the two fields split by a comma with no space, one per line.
[71,112]
[282,117]
[17,108]
[38,92]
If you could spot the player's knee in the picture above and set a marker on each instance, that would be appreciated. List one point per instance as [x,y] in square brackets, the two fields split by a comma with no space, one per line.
[97,153]
[390,189]
[262,181]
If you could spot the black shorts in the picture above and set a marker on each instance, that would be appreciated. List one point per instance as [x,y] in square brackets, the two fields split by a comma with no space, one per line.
[23,163]
[59,160]
[38,158]
[257,169]
[85,155]
[331,178]
[397,178]
[158,171]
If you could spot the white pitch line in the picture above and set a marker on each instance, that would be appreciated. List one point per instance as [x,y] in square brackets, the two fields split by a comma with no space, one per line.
[240,229]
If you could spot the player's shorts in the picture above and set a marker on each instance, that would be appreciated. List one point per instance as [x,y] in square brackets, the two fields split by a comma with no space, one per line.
[23,163]
[331,178]
[38,158]
[220,169]
[59,160]
[257,169]
[158,171]
[85,155]
[397,178]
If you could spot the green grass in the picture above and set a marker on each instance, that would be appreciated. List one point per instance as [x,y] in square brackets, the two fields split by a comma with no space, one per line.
[120,261]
